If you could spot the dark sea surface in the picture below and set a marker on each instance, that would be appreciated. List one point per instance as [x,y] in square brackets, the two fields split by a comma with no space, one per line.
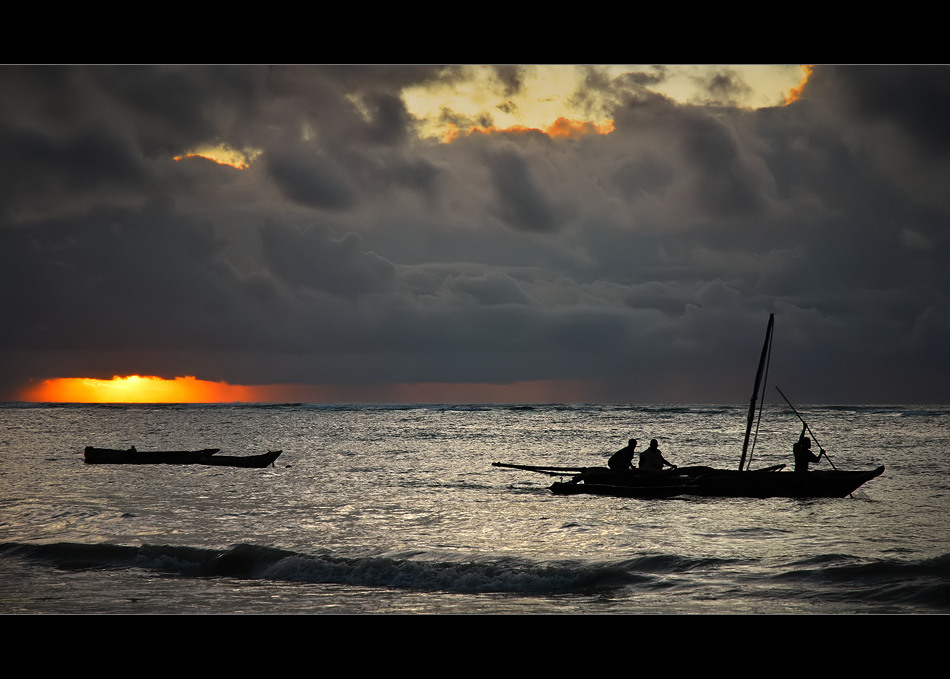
[397,509]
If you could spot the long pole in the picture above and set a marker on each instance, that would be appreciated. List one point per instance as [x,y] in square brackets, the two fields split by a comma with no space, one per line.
[543,470]
[814,438]
[755,390]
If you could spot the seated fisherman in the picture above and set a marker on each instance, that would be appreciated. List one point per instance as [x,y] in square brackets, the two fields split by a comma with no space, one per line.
[652,459]
[622,460]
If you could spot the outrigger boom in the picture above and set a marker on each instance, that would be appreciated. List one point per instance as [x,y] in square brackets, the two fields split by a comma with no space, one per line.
[552,471]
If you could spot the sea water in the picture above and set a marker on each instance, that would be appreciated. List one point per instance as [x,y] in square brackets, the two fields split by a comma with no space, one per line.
[398,509]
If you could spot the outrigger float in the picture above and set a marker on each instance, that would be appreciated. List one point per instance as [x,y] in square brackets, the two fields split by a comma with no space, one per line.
[709,481]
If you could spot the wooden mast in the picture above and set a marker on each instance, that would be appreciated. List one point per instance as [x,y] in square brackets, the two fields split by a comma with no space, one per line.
[755,390]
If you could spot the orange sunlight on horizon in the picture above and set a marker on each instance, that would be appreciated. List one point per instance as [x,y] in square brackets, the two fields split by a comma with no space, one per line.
[149,389]
[137,389]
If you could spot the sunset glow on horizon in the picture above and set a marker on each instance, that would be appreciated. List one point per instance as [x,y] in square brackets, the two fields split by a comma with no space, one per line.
[151,389]
[137,389]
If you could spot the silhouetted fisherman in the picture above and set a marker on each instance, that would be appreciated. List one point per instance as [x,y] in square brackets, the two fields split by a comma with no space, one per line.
[622,460]
[802,452]
[652,460]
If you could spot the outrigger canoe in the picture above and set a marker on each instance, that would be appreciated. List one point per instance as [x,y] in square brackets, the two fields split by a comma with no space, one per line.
[708,481]
[703,481]
[208,456]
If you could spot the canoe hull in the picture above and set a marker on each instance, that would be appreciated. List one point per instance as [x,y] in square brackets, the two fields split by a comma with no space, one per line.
[208,456]
[720,483]
[249,461]
[787,484]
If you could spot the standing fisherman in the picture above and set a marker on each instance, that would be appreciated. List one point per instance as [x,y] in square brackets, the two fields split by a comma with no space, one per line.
[802,452]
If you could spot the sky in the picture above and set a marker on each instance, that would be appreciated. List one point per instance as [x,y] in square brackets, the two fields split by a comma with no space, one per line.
[465,233]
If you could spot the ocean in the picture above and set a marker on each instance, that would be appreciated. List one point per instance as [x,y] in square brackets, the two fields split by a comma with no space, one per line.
[398,510]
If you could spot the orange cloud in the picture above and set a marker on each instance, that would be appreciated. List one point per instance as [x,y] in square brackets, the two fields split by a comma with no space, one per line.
[572,129]
[562,128]
[224,155]
[239,166]
[795,92]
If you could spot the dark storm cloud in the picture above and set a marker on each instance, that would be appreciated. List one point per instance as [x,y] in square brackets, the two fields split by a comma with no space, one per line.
[160,109]
[889,118]
[353,251]
[172,108]
[110,279]
[522,202]
[600,92]
[723,87]
[511,77]
[867,94]
[41,173]
[695,163]
[78,139]
[315,259]
[314,182]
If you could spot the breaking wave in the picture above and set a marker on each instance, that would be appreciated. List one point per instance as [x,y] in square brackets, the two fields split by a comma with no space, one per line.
[923,582]
[246,561]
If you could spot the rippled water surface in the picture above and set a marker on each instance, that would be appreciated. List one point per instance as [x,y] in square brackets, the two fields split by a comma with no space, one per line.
[397,509]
